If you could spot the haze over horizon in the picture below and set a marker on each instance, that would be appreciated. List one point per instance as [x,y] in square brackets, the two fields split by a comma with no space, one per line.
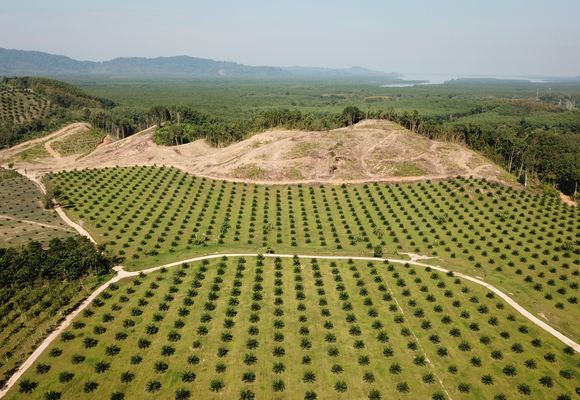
[514,38]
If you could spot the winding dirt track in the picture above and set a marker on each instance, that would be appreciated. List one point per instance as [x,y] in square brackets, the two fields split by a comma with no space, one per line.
[121,274]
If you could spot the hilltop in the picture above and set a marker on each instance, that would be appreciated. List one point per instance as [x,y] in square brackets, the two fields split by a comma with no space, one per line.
[371,150]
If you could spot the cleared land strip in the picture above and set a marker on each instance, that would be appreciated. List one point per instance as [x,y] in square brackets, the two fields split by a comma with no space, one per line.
[25,221]
[121,274]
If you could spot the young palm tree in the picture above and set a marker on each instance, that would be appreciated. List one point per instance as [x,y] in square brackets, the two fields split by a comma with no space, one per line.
[27,386]
[309,377]
[278,385]
[90,386]
[182,394]
[127,377]
[216,385]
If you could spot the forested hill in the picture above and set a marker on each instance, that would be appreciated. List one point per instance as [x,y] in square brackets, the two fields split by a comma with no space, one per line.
[36,63]
[30,107]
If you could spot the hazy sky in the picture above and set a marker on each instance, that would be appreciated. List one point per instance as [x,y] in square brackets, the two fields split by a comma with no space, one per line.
[500,37]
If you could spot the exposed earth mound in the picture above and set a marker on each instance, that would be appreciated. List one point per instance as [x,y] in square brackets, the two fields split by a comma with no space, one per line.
[372,150]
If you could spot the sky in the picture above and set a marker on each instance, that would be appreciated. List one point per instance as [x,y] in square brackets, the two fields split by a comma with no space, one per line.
[479,37]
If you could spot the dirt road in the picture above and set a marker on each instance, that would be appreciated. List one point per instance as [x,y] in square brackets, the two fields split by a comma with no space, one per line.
[121,274]
[69,129]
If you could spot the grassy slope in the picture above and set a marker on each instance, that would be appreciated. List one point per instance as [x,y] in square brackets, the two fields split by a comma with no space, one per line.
[22,200]
[21,105]
[495,233]
[173,287]
[79,143]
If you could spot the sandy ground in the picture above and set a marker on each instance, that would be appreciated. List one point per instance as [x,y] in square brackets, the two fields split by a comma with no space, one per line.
[107,139]
[568,200]
[367,152]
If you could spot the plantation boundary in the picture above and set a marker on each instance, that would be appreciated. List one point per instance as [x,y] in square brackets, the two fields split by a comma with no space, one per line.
[121,274]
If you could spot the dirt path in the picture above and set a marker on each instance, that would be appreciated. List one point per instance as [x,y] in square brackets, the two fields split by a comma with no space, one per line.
[58,209]
[50,150]
[42,139]
[121,274]
[67,133]
[12,151]
[76,227]
[25,221]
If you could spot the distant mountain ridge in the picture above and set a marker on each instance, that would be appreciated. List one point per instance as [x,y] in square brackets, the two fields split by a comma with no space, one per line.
[352,71]
[36,63]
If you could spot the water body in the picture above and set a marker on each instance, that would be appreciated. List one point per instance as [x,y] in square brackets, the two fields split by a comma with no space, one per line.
[438,79]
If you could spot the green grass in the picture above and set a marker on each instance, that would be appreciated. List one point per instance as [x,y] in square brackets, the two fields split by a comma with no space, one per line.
[408,169]
[251,171]
[31,154]
[527,245]
[413,312]
[21,201]
[303,150]
[79,143]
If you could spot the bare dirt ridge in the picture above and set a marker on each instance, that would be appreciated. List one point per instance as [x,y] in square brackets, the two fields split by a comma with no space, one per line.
[370,151]
[121,274]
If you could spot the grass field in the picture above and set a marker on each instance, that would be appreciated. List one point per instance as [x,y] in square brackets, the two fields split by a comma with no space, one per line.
[79,143]
[300,329]
[527,245]
[22,217]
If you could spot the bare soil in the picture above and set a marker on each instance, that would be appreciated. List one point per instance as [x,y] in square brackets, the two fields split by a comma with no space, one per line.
[372,150]
[568,200]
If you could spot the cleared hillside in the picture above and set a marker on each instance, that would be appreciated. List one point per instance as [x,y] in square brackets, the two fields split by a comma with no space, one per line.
[369,151]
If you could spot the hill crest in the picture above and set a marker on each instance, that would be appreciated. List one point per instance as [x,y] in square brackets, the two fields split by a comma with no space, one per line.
[372,150]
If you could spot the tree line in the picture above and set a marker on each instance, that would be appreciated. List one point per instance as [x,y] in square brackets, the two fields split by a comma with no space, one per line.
[548,152]
[183,125]
[532,152]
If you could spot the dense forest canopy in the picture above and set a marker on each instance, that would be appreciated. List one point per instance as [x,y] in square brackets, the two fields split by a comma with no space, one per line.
[34,266]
